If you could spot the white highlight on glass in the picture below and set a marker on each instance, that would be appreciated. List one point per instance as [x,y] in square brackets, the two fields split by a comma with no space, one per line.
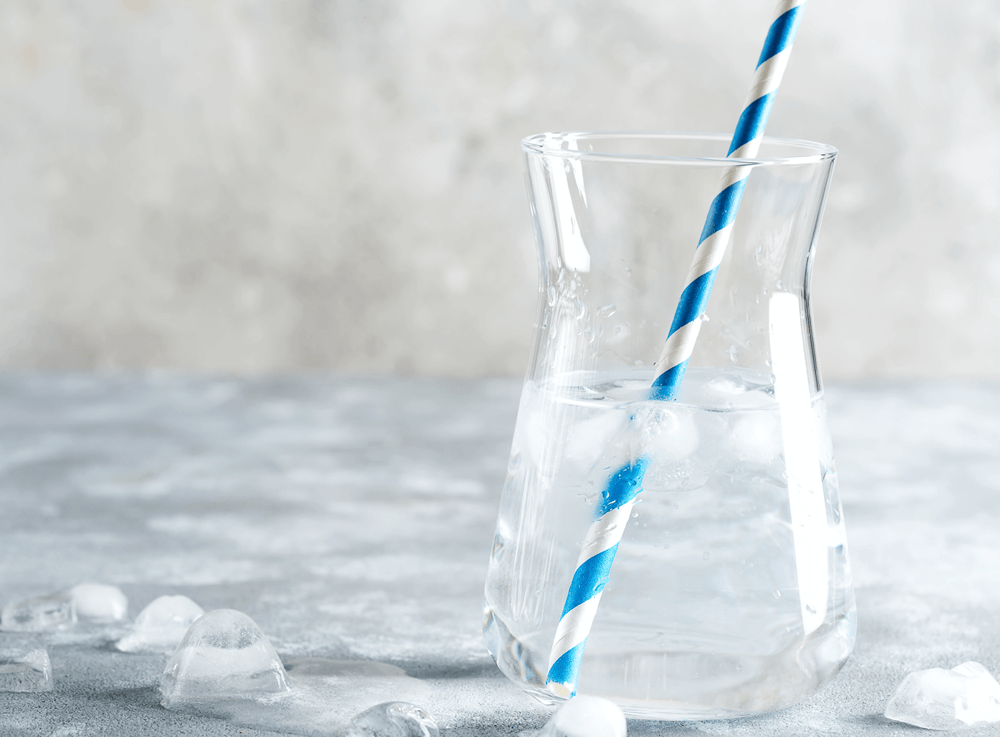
[575,256]
[798,429]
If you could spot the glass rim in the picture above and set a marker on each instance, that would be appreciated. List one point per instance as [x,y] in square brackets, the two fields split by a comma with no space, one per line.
[542,144]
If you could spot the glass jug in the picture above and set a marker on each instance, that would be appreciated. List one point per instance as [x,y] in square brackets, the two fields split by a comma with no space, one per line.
[730,592]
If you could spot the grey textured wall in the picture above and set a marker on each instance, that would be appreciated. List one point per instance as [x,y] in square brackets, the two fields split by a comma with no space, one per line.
[256,186]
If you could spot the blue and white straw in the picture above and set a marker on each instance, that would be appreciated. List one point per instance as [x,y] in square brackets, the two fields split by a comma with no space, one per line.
[601,544]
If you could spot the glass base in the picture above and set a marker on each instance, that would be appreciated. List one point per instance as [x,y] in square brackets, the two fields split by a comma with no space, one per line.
[687,686]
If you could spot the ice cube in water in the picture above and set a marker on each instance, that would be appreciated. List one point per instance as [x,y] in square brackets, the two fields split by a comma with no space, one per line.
[38,614]
[99,602]
[666,432]
[161,626]
[223,656]
[755,437]
[393,719]
[946,699]
[586,716]
[25,671]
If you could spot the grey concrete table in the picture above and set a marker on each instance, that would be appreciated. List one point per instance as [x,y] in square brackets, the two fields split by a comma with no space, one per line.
[352,518]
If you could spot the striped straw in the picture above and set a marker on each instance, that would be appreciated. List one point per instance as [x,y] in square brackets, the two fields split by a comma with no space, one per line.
[601,544]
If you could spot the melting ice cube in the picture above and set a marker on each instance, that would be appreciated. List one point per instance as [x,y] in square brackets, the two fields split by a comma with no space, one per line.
[755,437]
[39,613]
[224,656]
[667,431]
[99,602]
[25,671]
[393,719]
[588,439]
[946,699]
[161,626]
[586,716]
[533,428]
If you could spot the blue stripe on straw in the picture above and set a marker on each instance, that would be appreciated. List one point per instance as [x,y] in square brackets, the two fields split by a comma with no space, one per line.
[693,300]
[567,666]
[590,579]
[781,34]
[669,382]
[722,211]
[622,487]
[752,122]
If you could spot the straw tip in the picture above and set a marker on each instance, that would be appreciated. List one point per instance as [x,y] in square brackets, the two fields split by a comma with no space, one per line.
[562,690]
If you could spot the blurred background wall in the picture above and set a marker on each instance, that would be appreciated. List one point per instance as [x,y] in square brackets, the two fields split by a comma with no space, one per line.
[250,186]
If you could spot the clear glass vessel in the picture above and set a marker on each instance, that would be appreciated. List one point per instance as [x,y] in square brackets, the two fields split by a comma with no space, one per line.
[731,590]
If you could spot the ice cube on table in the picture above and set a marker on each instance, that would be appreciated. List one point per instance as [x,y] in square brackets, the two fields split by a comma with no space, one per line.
[25,671]
[161,626]
[99,602]
[224,656]
[946,699]
[38,614]
[393,719]
[586,716]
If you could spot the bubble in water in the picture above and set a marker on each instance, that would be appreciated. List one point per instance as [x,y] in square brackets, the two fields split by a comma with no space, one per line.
[161,626]
[99,602]
[586,716]
[223,656]
[393,719]
[608,310]
[39,613]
